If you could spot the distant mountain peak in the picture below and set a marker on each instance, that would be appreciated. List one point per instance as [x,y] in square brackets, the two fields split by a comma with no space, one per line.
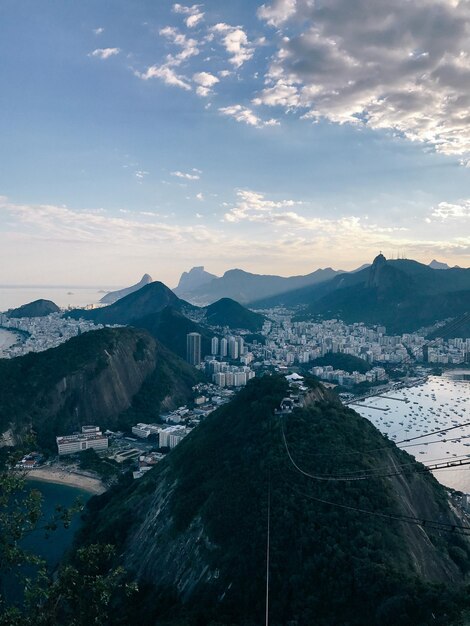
[195,278]
[438,265]
[114,296]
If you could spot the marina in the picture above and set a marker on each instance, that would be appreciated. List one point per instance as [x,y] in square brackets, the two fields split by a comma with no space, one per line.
[436,404]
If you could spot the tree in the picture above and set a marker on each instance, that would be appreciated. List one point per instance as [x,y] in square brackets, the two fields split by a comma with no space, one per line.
[83,591]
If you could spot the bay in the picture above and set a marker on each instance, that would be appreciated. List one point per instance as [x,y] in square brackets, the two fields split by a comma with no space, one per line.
[14,296]
[441,402]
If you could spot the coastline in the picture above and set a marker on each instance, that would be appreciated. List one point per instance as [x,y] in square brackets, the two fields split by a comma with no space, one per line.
[52,475]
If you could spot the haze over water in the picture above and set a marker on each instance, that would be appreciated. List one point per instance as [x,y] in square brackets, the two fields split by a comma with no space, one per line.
[441,402]
[12,297]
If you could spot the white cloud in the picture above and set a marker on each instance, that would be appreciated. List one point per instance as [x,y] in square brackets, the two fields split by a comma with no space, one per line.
[104,53]
[166,71]
[140,175]
[166,74]
[402,65]
[449,211]
[98,31]
[246,115]
[187,175]
[235,41]
[205,82]
[194,13]
[278,12]
[200,197]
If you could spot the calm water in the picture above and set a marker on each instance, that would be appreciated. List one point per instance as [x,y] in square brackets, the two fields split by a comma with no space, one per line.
[441,402]
[51,548]
[12,297]
[7,339]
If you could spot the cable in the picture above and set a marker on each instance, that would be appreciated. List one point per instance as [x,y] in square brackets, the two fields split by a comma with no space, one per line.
[431,524]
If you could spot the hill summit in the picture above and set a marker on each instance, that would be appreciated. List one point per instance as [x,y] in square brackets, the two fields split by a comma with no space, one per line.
[194,529]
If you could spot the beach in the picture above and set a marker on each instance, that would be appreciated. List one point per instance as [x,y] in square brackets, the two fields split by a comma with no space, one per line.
[61,477]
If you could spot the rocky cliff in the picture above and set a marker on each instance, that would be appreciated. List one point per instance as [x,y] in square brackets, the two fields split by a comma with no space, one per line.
[94,378]
[194,529]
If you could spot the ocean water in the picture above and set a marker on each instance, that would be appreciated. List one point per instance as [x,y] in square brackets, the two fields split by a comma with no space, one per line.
[441,402]
[12,297]
[52,547]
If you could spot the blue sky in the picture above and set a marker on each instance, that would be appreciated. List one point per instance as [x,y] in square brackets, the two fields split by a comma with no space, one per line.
[281,137]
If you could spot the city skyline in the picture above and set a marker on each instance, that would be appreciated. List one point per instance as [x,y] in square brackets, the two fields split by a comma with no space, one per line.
[277,137]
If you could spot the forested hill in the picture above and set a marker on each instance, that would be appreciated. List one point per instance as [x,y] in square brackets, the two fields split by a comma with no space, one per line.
[109,377]
[194,529]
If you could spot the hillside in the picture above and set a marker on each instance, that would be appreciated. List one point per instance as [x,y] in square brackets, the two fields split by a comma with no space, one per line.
[113,296]
[401,294]
[227,312]
[150,299]
[170,327]
[341,361]
[194,529]
[245,287]
[93,378]
[38,308]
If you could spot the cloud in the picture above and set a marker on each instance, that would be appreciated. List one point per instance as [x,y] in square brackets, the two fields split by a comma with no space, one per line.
[205,82]
[186,175]
[98,31]
[166,74]
[195,15]
[236,43]
[140,175]
[401,66]
[200,197]
[244,114]
[449,211]
[278,12]
[166,71]
[104,53]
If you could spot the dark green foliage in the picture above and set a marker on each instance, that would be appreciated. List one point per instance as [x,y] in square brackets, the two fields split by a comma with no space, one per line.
[105,468]
[401,294]
[346,362]
[38,308]
[35,389]
[146,301]
[227,312]
[328,565]
[170,327]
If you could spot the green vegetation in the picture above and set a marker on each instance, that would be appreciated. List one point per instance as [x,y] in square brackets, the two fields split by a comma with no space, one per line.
[328,565]
[170,328]
[340,361]
[105,468]
[91,377]
[227,312]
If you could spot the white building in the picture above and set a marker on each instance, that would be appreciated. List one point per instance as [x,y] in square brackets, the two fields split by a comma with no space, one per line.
[70,444]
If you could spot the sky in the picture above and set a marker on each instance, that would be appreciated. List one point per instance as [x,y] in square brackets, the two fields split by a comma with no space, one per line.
[152,136]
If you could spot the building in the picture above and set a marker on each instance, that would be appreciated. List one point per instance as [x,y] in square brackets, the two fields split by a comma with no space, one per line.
[214,346]
[233,348]
[223,347]
[92,438]
[193,348]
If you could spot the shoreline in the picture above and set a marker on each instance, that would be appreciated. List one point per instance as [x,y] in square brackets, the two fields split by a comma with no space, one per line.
[60,477]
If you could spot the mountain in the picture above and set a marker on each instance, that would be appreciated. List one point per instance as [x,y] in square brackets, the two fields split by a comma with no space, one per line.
[193,531]
[437,265]
[38,308]
[401,294]
[227,312]
[113,296]
[244,287]
[170,327]
[112,377]
[189,281]
[150,299]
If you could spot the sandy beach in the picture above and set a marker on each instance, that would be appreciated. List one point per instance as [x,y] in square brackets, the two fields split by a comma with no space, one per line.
[54,475]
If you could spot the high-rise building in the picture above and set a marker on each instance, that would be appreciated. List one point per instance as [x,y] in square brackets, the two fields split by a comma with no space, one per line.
[193,348]
[214,346]
[233,348]
[241,345]
[223,347]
